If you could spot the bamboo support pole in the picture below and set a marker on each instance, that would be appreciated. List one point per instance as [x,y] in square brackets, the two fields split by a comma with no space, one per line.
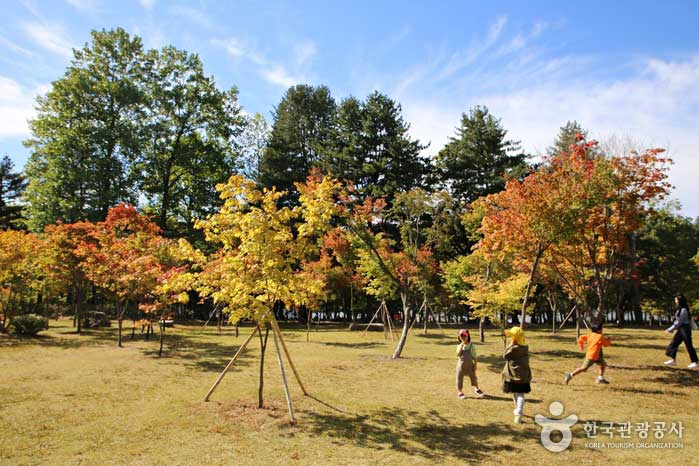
[223,373]
[286,385]
[277,330]
[372,320]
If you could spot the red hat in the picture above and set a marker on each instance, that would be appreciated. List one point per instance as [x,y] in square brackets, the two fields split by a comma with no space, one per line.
[463,331]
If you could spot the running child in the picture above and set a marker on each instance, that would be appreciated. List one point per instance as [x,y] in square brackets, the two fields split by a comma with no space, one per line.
[594,355]
[466,364]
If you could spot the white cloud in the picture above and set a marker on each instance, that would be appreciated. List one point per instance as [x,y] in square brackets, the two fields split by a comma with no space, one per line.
[194,15]
[658,107]
[304,52]
[16,107]
[273,73]
[147,4]
[50,37]
[280,76]
[84,5]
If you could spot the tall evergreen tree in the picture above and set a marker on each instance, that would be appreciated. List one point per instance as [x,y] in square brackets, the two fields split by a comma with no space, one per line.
[475,161]
[85,133]
[373,149]
[12,186]
[301,132]
[567,136]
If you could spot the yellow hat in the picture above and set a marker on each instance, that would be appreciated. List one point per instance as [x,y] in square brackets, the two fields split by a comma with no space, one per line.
[517,334]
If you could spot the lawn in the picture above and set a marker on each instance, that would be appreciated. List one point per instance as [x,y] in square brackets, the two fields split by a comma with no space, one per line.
[68,399]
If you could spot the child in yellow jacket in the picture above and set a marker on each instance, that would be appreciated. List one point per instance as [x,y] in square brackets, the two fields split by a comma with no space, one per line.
[594,355]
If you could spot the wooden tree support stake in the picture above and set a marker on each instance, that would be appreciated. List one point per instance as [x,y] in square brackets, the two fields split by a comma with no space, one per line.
[286,385]
[278,332]
[223,373]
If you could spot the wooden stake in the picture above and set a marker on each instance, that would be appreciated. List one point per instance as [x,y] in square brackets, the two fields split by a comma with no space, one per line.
[277,330]
[372,320]
[223,373]
[286,385]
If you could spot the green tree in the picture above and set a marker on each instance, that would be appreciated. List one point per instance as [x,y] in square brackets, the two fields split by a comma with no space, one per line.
[475,161]
[567,137]
[665,246]
[301,131]
[85,132]
[188,130]
[12,186]
[374,150]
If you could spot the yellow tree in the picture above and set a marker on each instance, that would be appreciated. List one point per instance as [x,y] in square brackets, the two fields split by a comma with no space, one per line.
[263,247]
[21,277]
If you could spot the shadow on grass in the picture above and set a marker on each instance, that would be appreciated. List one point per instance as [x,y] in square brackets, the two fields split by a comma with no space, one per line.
[425,435]
[647,391]
[639,346]
[554,354]
[679,378]
[64,338]
[204,356]
[368,344]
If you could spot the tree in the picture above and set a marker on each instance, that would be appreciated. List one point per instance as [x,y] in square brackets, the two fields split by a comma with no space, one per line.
[120,258]
[567,138]
[373,150]
[188,131]
[21,277]
[253,142]
[12,186]
[65,267]
[478,159]
[85,132]
[263,249]
[301,131]
[667,247]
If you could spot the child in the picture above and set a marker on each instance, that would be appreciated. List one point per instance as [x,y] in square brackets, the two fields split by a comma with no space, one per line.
[594,355]
[517,374]
[466,364]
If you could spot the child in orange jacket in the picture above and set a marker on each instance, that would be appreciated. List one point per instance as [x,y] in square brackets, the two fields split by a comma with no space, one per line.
[594,355]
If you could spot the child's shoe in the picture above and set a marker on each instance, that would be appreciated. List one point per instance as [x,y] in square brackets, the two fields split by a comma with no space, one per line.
[461,395]
[568,377]
[670,362]
[601,380]
[694,365]
[479,392]
[518,418]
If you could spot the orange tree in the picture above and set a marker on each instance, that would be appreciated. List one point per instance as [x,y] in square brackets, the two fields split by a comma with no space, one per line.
[576,213]
[63,262]
[613,199]
[119,258]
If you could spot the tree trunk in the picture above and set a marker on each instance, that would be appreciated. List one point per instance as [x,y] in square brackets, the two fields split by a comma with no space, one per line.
[406,324]
[577,323]
[537,256]
[78,310]
[481,331]
[263,347]
[162,335]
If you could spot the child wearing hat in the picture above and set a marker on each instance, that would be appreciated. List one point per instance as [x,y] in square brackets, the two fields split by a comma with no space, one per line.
[466,364]
[594,355]
[516,375]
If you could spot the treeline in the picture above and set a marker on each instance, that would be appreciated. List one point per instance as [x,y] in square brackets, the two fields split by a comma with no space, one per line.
[150,128]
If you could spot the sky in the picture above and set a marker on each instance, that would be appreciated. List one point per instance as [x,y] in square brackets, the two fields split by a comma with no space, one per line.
[628,71]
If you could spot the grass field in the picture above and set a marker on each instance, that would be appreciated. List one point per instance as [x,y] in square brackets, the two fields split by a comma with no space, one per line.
[68,399]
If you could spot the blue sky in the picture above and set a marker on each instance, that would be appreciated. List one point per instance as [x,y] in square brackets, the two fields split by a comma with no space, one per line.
[628,71]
